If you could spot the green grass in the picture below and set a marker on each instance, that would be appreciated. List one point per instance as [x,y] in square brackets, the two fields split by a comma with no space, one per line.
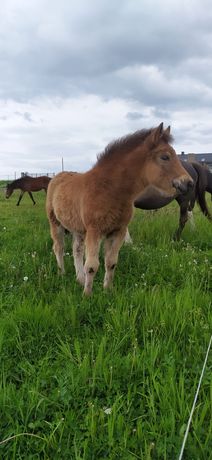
[112,376]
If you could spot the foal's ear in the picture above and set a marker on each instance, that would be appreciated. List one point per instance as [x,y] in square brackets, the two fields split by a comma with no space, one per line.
[156,135]
[167,130]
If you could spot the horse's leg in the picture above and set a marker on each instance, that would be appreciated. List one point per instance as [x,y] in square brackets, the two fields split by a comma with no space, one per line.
[183,219]
[20,198]
[92,245]
[191,219]
[78,253]
[190,212]
[112,246]
[57,234]
[31,196]
[128,238]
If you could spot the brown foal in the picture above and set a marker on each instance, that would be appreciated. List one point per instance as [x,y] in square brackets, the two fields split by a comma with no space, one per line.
[99,204]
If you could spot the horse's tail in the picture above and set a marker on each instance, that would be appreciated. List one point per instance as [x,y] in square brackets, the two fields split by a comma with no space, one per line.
[201,189]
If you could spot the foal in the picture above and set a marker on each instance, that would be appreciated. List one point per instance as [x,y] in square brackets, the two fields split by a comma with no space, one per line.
[99,203]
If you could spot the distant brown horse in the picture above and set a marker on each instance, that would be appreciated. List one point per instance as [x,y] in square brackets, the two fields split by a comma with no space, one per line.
[99,203]
[27,184]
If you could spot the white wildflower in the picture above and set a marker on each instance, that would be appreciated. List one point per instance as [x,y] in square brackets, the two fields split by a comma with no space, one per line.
[25,278]
[107,410]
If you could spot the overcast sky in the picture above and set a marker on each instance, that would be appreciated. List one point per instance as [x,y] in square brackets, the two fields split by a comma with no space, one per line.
[75,75]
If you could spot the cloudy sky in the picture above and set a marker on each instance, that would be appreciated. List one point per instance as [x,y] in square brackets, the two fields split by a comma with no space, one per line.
[75,75]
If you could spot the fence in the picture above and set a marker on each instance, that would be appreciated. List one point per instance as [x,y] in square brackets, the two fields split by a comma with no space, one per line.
[11,177]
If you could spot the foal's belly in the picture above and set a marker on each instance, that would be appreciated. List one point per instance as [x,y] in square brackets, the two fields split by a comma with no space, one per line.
[69,218]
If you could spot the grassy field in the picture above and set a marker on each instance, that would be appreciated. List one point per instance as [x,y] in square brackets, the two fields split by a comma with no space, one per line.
[112,376]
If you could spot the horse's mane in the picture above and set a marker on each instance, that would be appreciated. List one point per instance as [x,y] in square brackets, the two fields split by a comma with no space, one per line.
[20,179]
[126,144]
[26,176]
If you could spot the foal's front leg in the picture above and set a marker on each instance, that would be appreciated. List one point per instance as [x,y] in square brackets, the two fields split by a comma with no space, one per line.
[112,246]
[92,245]
[78,253]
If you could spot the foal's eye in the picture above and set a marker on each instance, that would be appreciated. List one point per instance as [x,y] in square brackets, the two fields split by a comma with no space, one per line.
[165,157]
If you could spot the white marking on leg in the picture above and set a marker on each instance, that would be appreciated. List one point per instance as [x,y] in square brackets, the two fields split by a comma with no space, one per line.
[191,219]
[57,233]
[128,238]
[78,253]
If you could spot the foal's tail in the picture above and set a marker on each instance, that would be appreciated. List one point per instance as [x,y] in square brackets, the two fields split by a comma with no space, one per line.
[201,189]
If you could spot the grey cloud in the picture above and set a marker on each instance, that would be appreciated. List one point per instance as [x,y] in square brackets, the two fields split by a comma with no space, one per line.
[134,115]
[84,48]
[153,56]
[26,116]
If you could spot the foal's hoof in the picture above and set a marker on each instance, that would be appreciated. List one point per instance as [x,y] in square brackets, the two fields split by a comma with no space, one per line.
[87,292]
[81,280]
[107,286]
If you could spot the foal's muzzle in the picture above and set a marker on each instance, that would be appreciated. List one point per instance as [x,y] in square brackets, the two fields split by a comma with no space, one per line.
[183,185]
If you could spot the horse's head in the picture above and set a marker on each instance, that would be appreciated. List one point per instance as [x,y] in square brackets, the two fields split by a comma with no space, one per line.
[163,169]
[8,191]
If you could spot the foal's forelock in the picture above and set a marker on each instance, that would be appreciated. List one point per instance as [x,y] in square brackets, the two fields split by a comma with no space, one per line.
[128,143]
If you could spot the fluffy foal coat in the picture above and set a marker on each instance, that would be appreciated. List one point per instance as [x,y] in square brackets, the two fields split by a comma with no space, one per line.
[98,204]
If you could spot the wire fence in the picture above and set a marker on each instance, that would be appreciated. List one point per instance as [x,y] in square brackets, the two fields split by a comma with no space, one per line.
[11,177]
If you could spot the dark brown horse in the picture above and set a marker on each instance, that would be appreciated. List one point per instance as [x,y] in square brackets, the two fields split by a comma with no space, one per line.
[202,178]
[27,184]
[98,204]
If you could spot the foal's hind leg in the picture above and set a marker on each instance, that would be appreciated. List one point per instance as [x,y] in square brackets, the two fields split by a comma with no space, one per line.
[92,245]
[78,253]
[57,234]
[112,246]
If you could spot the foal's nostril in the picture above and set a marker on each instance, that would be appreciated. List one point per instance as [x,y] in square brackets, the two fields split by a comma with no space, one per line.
[176,183]
[183,186]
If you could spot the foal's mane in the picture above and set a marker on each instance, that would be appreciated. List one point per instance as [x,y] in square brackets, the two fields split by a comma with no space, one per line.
[127,144]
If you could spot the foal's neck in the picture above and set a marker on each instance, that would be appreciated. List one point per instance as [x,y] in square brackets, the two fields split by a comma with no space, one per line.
[126,174]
